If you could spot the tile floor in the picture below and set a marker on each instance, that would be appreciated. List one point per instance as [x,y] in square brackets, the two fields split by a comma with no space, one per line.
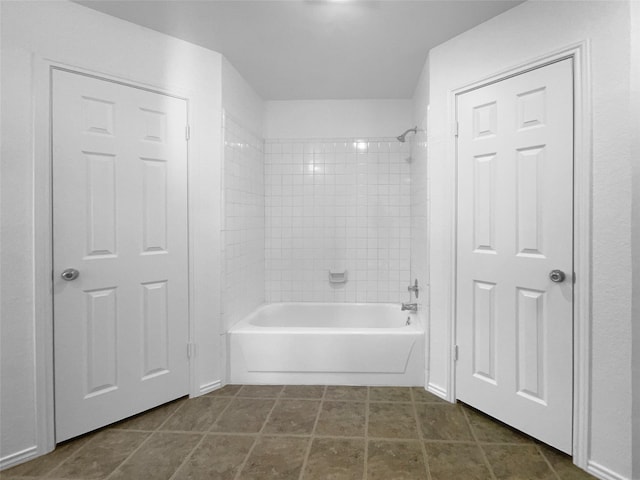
[304,432]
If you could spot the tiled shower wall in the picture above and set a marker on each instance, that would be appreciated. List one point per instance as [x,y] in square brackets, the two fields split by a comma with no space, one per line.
[419,223]
[243,277]
[337,205]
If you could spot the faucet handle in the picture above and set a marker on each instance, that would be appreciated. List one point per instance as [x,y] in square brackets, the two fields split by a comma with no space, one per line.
[414,288]
[412,307]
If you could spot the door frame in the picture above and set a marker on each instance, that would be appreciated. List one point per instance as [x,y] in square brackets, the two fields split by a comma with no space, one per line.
[582,231]
[43,243]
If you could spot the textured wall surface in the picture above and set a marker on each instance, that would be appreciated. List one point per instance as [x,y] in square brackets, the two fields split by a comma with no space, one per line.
[522,34]
[243,230]
[75,36]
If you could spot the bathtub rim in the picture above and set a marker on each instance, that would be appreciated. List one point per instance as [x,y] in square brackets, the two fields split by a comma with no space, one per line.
[244,325]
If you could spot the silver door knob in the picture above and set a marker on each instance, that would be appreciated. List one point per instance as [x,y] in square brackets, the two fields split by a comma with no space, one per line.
[70,274]
[557,276]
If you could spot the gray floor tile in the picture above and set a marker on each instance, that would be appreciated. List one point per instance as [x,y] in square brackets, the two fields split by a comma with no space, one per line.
[392,420]
[342,419]
[489,430]
[293,416]
[346,393]
[443,422]
[459,461]
[244,415]
[563,465]
[159,457]
[303,391]
[218,457]
[517,462]
[389,394]
[395,460]
[335,459]
[196,414]
[275,458]
[263,391]
[101,456]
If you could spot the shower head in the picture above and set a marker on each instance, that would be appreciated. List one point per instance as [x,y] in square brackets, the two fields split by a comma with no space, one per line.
[402,139]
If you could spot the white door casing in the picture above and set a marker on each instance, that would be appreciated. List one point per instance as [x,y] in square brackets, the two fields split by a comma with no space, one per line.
[120,219]
[514,326]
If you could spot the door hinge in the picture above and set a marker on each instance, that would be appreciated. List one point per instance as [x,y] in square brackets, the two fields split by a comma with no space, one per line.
[456,129]
[187,132]
[455,353]
[191,350]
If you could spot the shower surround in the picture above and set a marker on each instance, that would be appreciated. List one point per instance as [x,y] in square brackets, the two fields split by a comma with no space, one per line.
[337,204]
[243,230]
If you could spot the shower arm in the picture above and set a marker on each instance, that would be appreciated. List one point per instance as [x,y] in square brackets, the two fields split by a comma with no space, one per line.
[401,138]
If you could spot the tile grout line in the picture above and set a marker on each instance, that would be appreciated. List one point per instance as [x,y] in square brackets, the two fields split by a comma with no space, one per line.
[478,444]
[59,464]
[170,415]
[188,456]
[259,433]
[204,434]
[133,452]
[423,448]
[104,429]
[548,462]
[312,436]
[365,472]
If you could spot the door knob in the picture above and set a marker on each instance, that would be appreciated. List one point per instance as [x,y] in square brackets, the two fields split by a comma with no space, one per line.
[557,276]
[70,274]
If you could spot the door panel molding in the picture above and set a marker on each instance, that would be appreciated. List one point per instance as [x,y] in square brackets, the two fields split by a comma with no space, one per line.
[43,246]
[582,231]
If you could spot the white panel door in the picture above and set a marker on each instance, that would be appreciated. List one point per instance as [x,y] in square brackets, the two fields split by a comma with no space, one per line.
[120,220]
[515,215]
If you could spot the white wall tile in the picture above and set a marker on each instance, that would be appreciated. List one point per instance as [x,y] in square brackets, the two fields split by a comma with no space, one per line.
[334,204]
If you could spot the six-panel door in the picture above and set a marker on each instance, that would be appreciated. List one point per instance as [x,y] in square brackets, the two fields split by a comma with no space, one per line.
[120,220]
[515,215]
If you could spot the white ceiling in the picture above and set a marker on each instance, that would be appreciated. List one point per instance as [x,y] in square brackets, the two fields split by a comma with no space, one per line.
[315,49]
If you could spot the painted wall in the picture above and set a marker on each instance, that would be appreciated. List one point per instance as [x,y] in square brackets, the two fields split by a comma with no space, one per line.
[523,33]
[243,269]
[336,118]
[243,264]
[420,98]
[240,100]
[635,222]
[420,201]
[76,36]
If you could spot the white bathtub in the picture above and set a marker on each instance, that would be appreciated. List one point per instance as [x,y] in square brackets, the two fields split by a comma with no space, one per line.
[327,343]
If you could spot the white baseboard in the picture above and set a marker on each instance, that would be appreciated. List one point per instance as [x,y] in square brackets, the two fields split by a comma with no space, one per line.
[22,456]
[210,387]
[437,390]
[603,473]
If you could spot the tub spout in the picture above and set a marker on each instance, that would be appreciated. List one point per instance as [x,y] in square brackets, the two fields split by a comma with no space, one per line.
[412,307]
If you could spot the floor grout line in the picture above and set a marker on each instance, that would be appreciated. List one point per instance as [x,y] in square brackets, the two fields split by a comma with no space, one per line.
[425,456]
[312,436]
[548,462]
[478,444]
[187,457]
[59,464]
[322,398]
[133,452]
[365,472]
[204,435]
[258,435]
